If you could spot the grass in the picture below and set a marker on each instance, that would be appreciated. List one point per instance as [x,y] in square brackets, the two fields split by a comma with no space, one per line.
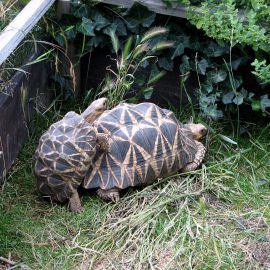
[214,218]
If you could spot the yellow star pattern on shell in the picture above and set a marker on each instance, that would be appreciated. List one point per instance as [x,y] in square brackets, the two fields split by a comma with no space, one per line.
[147,143]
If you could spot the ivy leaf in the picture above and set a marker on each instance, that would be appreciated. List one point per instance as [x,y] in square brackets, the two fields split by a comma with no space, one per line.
[214,50]
[227,99]
[237,62]
[164,63]
[117,26]
[238,100]
[81,12]
[207,100]
[133,24]
[94,42]
[111,28]
[179,50]
[68,33]
[147,22]
[216,76]
[121,29]
[99,21]
[202,66]
[139,15]
[236,82]
[185,66]
[60,38]
[213,112]
[207,88]
[183,39]
[244,92]
[86,27]
[265,102]
[250,96]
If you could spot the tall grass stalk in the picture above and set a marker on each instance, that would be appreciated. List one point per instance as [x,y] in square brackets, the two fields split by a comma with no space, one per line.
[133,55]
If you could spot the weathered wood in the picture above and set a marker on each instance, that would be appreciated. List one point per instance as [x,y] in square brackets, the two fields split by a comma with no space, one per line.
[176,10]
[19,101]
[62,7]
[23,23]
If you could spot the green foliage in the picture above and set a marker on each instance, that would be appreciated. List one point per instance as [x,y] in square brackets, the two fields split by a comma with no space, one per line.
[217,63]
[118,83]
[262,71]
[228,26]
[222,21]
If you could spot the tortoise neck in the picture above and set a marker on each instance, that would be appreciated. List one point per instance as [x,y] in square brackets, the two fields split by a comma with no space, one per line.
[91,114]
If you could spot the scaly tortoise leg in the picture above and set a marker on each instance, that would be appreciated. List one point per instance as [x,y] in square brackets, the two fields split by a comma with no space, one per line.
[75,203]
[199,156]
[103,142]
[109,195]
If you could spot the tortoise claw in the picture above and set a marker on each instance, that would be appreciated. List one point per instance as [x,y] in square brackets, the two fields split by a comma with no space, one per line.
[109,195]
[115,197]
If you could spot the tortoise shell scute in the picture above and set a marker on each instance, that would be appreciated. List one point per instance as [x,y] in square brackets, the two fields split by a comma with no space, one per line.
[64,155]
[147,142]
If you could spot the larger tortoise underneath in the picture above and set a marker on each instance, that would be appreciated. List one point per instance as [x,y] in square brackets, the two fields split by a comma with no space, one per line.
[146,143]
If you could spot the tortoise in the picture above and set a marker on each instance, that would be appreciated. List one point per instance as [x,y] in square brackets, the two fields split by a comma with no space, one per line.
[146,143]
[65,152]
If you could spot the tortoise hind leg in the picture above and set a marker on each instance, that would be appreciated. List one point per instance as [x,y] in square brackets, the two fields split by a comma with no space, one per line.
[75,203]
[199,156]
[109,195]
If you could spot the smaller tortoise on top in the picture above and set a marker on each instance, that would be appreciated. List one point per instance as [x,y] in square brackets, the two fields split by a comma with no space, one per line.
[146,143]
[65,152]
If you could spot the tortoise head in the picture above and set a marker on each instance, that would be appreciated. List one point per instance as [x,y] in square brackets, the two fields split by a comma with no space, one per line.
[198,130]
[94,110]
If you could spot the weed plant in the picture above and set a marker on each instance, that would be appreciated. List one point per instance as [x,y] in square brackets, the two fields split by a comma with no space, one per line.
[133,55]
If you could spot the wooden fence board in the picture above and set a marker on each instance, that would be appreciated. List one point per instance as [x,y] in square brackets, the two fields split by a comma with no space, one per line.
[23,23]
[18,104]
[177,10]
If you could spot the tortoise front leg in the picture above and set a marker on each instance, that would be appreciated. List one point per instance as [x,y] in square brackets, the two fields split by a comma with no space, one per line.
[75,203]
[109,195]
[197,160]
[103,142]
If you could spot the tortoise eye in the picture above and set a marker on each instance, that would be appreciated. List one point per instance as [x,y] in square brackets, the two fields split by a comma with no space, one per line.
[203,131]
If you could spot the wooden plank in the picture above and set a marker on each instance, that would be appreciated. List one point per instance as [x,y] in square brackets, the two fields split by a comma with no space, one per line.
[23,23]
[63,7]
[176,10]
[19,102]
